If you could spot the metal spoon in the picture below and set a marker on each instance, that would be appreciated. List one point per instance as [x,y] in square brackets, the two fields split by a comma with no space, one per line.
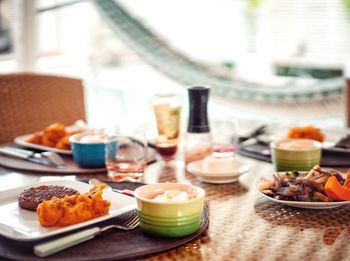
[127,192]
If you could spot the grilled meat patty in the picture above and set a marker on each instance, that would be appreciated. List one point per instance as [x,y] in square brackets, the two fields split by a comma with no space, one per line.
[32,197]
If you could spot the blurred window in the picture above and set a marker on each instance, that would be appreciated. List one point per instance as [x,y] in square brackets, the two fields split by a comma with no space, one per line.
[304,38]
[285,34]
[6,44]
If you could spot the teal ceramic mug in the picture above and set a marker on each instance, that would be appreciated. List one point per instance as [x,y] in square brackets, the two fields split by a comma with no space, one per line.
[88,150]
[164,211]
[295,154]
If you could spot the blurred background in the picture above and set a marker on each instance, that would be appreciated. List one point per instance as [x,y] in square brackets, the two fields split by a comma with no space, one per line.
[265,60]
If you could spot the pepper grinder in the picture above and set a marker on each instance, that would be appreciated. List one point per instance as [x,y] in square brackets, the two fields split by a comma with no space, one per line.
[198,138]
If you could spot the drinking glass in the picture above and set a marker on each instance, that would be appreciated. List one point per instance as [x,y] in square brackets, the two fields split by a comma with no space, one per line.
[167,112]
[125,153]
[225,136]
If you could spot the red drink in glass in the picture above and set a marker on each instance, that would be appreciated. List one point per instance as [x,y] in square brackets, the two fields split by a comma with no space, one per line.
[166,151]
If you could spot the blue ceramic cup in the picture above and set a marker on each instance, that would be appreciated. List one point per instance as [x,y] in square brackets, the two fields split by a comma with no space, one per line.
[88,150]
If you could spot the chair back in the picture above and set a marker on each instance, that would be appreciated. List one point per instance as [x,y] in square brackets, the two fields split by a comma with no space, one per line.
[29,102]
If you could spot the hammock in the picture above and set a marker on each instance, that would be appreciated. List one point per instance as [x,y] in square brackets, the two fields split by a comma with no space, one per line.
[183,70]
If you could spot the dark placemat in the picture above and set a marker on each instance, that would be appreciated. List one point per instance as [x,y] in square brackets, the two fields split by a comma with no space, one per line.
[329,158]
[70,166]
[111,245]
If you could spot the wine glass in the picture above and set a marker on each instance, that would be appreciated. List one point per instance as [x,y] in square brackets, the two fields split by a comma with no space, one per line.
[167,113]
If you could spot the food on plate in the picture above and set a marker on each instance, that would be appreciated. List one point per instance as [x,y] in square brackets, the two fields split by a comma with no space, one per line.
[55,135]
[32,197]
[73,209]
[306,132]
[173,195]
[35,138]
[309,186]
[52,134]
[63,143]
[336,191]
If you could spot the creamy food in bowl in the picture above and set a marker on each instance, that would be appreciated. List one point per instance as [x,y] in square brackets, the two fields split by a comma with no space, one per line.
[170,209]
[295,154]
[220,163]
[173,196]
[91,138]
[298,144]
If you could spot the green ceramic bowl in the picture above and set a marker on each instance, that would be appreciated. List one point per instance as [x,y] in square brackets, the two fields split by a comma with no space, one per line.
[295,154]
[169,218]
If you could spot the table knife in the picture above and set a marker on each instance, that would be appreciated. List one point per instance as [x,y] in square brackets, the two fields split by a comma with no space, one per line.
[28,155]
[51,156]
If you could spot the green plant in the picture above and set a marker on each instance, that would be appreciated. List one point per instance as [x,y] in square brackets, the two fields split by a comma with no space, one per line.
[347,5]
[256,3]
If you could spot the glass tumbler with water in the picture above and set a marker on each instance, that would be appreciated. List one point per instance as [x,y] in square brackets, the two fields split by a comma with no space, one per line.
[125,153]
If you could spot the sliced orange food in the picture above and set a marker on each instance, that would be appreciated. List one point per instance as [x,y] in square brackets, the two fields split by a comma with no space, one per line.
[347,180]
[335,190]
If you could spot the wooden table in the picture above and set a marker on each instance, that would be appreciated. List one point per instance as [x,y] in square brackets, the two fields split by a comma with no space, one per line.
[243,226]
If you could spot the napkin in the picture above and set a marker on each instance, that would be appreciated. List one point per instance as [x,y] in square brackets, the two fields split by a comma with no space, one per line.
[344,142]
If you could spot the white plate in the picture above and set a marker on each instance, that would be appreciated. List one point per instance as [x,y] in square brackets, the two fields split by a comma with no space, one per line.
[301,204]
[196,168]
[21,140]
[218,180]
[23,225]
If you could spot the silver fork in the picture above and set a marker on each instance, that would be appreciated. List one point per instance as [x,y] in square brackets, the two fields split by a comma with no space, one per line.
[128,222]
[127,192]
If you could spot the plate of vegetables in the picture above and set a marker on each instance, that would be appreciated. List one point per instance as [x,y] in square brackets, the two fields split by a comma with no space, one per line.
[319,188]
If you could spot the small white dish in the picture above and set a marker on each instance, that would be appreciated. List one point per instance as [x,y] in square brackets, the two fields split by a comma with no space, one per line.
[196,168]
[22,225]
[21,140]
[301,204]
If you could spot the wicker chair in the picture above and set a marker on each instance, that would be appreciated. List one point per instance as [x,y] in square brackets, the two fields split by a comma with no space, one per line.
[29,102]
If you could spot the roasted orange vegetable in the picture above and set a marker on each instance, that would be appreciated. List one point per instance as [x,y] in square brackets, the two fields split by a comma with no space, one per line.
[347,180]
[36,138]
[56,136]
[335,190]
[52,134]
[73,209]
[63,143]
[307,132]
